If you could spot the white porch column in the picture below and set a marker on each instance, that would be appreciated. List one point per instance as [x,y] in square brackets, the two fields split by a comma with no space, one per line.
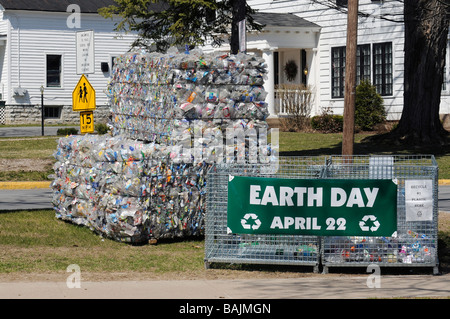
[313,79]
[269,84]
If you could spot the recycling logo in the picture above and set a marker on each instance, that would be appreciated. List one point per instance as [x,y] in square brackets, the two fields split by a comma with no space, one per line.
[373,219]
[247,217]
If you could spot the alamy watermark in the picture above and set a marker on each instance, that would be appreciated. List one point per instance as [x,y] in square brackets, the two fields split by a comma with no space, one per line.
[74,19]
[374,280]
[231,146]
[74,279]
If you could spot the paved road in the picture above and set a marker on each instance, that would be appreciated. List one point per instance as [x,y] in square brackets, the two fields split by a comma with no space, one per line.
[444,198]
[23,131]
[25,199]
[40,198]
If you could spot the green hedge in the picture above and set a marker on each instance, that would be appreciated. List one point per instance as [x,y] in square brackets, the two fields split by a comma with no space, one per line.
[369,107]
[67,131]
[327,123]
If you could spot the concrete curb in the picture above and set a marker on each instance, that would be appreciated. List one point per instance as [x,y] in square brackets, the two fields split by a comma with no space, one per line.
[33,185]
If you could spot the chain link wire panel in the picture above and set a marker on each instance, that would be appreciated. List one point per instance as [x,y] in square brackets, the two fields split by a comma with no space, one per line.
[2,114]
[222,247]
[415,242]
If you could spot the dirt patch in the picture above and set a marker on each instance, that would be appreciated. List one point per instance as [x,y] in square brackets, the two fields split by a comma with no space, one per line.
[25,164]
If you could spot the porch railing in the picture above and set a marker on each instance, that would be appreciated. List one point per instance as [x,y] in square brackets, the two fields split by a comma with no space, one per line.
[293,99]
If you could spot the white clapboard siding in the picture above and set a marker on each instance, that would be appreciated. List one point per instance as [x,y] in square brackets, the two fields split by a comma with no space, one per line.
[3,57]
[33,35]
[333,34]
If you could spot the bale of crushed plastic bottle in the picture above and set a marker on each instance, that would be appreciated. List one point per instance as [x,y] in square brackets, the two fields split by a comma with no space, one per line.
[169,119]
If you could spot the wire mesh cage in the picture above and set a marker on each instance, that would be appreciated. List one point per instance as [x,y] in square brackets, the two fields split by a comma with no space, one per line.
[415,242]
[222,247]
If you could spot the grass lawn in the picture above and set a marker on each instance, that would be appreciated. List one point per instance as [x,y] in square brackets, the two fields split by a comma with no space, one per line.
[36,242]
[27,159]
[29,147]
[311,144]
[291,143]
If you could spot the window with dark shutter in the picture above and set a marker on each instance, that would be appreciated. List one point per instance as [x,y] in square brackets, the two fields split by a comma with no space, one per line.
[338,68]
[382,67]
[342,3]
[53,70]
[337,72]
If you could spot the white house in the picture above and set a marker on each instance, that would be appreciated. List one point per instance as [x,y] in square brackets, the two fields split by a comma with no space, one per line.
[316,42]
[38,48]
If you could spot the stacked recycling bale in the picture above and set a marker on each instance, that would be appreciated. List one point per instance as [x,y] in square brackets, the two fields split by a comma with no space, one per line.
[169,115]
[98,183]
[164,98]
[125,189]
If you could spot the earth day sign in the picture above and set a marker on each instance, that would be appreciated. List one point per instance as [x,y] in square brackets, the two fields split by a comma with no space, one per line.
[331,207]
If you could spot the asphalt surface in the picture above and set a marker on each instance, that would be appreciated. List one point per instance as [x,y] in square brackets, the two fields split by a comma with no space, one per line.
[40,198]
[24,131]
[25,199]
[444,198]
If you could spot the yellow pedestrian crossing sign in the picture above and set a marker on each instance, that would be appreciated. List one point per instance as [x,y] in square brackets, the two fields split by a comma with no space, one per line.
[83,96]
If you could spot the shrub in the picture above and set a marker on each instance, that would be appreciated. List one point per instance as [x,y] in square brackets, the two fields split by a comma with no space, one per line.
[101,128]
[369,106]
[327,122]
[67,131]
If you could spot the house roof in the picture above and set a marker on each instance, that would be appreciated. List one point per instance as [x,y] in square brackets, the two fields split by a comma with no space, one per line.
[86,6]
[271,19]
[92,6]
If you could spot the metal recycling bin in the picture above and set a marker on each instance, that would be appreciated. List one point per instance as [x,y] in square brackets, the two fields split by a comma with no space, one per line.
[414,244]
[411,242]
[224,247]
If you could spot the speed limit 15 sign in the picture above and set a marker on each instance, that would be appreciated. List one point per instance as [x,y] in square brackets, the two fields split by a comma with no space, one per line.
[87,122]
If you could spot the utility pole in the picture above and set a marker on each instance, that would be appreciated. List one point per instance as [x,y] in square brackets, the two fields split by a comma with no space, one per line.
[350,79]
[42,109]
[238,9]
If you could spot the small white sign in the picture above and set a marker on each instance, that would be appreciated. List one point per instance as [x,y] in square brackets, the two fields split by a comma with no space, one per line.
[419,200]
[85,52]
